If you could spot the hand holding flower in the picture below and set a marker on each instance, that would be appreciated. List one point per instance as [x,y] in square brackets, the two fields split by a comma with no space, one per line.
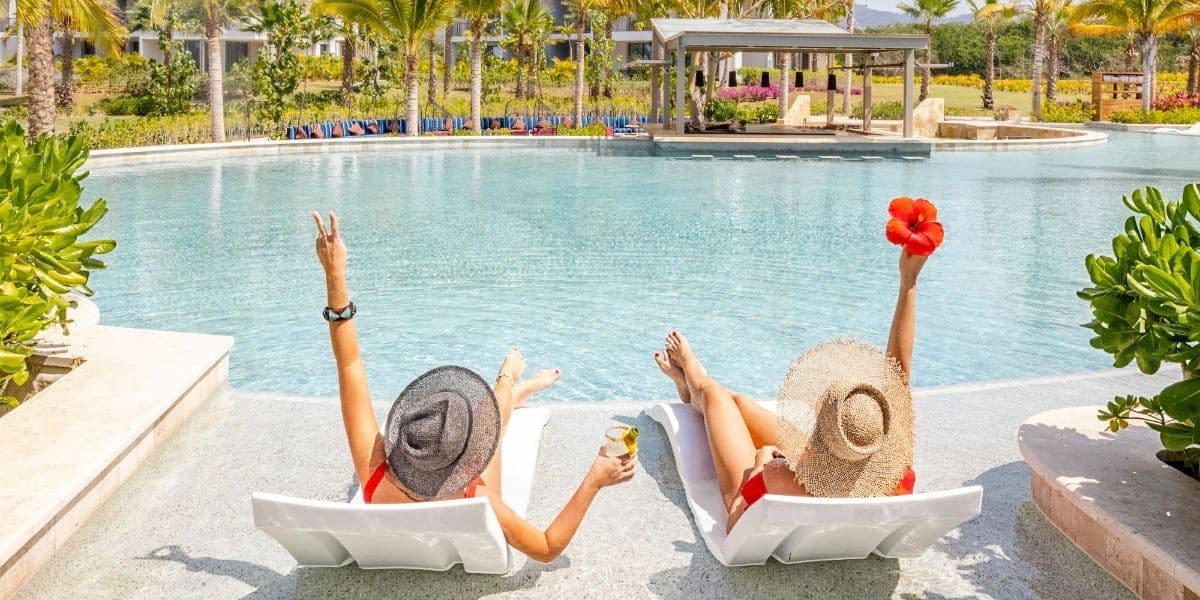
[914,226]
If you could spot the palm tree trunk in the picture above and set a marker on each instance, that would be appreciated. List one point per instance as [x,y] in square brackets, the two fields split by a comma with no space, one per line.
[477,75]
[431,90]
[66,87]
[785,77]
[1193,81]
[348,56]
[989,74]
[580,25]
[607,67]
[520,71]
[1052,67]
[41,79]
[928,60]
[411,112]
[1149,69]
[216,87]
[532,63]
[849,73]
[1039,61]
[447,62]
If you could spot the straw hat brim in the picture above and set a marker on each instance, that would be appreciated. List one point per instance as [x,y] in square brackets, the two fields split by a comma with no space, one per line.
[801,396]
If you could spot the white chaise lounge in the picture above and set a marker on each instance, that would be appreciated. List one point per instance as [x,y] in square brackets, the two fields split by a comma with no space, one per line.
[803,529]
[429,535]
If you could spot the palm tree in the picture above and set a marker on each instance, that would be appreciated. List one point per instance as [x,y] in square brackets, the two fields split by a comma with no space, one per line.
[98,19]
[1040,11]
[929,11]
[1193,80]
[1148,20]
[213,16]
[579,8]
[404,22]
[1057,29]
[478,14]
[990,12]
[349,49]
[527,23]
[37,18]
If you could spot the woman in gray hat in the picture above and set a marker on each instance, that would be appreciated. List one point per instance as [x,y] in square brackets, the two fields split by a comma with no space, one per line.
[442,436]
[844,423]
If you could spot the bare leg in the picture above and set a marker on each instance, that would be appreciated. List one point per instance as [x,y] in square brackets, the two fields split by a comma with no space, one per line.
[511,397]
[729,439]
[762,423]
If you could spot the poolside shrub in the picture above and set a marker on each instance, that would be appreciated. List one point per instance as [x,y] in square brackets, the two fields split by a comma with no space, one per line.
[761,113]
[1178,116]
[890,110]
[1145,301]
[718,109]
[41,255]
[1076,111]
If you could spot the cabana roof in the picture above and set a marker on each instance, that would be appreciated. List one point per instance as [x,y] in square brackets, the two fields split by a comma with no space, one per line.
[772,35]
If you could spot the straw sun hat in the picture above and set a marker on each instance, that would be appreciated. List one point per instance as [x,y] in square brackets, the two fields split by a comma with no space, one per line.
[442,432]
[846,421]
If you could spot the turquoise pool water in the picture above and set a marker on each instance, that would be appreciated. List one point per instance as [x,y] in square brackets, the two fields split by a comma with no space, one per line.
[585,261]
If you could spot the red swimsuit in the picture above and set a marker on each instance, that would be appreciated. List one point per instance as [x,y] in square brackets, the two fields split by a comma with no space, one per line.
[381,470]
[756,487]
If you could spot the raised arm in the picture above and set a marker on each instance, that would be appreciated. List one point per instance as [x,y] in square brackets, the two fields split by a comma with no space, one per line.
[545,546]
[358,416]
[904,321]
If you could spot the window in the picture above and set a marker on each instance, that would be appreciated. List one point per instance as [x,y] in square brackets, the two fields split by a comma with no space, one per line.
[235,52]
[639,52]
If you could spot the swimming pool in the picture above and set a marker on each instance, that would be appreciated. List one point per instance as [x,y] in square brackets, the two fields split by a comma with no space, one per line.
[585,261]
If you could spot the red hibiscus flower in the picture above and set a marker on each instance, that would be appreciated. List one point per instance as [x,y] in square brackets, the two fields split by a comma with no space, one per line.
[914,225]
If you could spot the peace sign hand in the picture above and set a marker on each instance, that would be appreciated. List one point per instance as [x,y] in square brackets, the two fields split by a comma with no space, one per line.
[330,249]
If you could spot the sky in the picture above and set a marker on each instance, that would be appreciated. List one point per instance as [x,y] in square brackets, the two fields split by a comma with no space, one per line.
[890,5]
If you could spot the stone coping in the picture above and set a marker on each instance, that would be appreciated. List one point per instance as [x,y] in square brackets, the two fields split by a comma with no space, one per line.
[70,446]
[1133,127]
[265,147]
[670,144]
[1135,516]
[1068,138]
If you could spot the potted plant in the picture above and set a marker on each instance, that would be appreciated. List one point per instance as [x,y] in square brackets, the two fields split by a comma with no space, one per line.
[42,259]
[1145,301]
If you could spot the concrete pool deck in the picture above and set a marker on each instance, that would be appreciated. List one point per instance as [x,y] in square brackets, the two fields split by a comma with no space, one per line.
[181,526]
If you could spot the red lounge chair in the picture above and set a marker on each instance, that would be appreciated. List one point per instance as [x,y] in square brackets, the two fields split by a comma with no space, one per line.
[338,131]
[317,134]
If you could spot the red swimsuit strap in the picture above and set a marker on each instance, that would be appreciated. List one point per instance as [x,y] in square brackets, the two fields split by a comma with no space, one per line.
[754,489]
[373,482]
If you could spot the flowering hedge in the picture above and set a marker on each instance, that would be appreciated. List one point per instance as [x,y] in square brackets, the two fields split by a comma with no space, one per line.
[1180,116]
[756,93]
[1167,83]
[1174,101]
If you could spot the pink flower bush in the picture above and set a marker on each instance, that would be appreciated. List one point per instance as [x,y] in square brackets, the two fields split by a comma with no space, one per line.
[1174,101]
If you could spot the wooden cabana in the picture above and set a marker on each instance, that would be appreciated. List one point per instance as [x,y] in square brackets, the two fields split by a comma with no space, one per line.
[682,36]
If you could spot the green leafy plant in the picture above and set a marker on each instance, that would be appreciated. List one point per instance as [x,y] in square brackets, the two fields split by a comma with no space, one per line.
[41,255]
[1145,302]
[720,110]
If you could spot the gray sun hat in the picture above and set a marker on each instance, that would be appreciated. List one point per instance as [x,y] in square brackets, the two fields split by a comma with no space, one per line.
[442,432]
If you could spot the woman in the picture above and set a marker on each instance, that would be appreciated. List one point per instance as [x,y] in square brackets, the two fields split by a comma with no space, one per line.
[839,392]
[443,432]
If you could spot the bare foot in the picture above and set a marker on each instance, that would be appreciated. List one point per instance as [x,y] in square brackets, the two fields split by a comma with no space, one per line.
[513,365]
[675,373]
[679,352]
[532,385]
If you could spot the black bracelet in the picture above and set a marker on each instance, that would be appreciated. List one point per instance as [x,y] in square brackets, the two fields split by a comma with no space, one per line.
[342,314]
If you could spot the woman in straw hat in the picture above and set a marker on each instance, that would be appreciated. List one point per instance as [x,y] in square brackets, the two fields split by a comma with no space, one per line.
[844,426]
[441,440]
